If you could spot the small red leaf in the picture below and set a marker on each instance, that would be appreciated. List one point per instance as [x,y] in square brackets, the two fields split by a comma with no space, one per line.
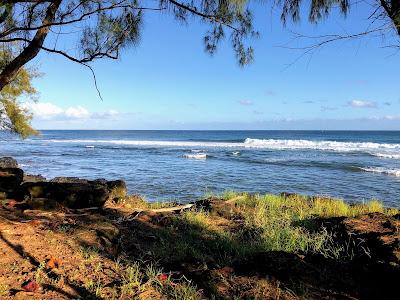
[12,203]
[162,277]
[30,286]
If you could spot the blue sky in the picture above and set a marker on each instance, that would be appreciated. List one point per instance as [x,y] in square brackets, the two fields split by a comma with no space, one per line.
[169,82]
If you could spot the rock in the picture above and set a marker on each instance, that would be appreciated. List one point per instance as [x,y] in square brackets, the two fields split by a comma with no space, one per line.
[41,203]
[10,179]
[70,194]
[68,180]
[39,189]
[8,162]
[117,189]
[34,178]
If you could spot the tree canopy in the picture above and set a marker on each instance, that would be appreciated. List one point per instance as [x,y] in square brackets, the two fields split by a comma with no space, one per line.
[13,116]
[101,29]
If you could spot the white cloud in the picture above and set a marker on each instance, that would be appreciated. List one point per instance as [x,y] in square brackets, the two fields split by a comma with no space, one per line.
[77,112]
[50,111]
[245,102]
[383,118]
[45,110]
[105,115]
[362,104]
[391,117]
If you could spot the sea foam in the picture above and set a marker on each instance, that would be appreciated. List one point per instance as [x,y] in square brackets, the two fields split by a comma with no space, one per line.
[382,150]
[196,156]
[381,170]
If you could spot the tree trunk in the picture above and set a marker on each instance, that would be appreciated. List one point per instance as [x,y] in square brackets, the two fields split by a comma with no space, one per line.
[395,7]
[33,48]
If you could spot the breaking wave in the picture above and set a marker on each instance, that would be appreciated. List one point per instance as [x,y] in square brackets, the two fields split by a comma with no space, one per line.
[196,156]
[383,150]
[393,172]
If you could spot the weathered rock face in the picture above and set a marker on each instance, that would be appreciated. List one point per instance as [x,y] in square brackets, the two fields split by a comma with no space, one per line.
[69,194]
[74,192]
[8,162]
[10,180]
[68,180]
[117,189]
[33,178]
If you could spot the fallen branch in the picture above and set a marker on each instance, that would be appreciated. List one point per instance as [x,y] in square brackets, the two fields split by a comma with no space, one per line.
[167,209]
[39,213]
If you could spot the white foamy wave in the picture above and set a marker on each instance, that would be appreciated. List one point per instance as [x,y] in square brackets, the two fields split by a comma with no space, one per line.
[155,143]
[235,153]
[196,156]
[377,149]
[389,149]
[386,155]
[89,146]
[393,172]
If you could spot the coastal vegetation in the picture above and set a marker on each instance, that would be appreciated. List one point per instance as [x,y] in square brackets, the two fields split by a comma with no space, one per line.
[14,117]
[230,246]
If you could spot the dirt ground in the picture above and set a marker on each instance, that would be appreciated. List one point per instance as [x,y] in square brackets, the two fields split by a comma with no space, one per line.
[83,254]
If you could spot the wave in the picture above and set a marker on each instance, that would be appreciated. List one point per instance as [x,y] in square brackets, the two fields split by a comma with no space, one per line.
[318,145]
[383,150]
[386,155]
[155,143]
[381,170]
[196,156]
[235,153]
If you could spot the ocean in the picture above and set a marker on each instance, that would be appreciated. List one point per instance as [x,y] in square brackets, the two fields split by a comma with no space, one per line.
[187,165]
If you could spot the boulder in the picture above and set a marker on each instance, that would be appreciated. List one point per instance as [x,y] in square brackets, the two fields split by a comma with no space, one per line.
[10,179]
[68,180]
[34,178]
[117,189]
[69,194]
[8,162]
[73,192]
[42,203]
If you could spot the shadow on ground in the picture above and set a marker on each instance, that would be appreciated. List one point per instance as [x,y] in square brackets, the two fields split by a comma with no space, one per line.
[213,261]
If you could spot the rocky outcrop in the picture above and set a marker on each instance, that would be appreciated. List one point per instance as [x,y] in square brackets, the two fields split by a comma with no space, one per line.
[74,192]
[71,192]
[8,162]
[33,178]
[10,177]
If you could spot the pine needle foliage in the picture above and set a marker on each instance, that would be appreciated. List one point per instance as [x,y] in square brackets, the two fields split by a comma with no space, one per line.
[14,118]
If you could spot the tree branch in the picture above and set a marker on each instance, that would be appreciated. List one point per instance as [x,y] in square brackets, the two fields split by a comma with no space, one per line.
[32,49]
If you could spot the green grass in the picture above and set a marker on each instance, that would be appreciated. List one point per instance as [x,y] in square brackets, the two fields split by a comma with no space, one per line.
[4,290]
[269,223]
[276,219]
[89,253]
[182,291]
[132,278]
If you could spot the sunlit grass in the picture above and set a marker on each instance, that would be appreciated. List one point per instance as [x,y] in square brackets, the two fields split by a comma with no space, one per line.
[269,223]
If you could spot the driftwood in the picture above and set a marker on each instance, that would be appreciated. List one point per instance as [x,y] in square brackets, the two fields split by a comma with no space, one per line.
[166,209]
[39,213]
[138,211]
